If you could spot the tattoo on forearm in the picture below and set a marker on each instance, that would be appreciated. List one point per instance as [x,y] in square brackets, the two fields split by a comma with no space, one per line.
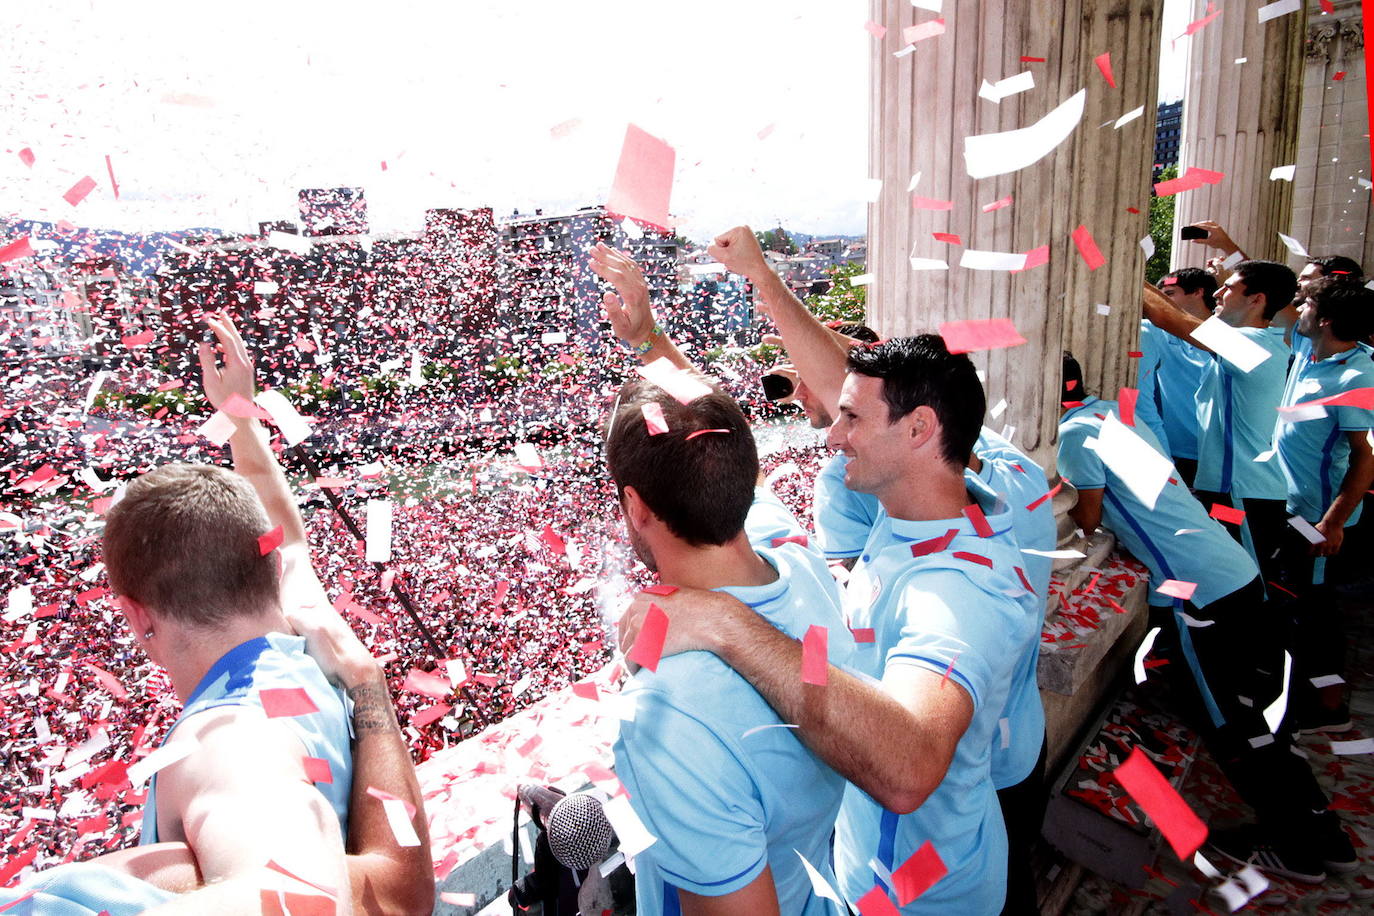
[372,708]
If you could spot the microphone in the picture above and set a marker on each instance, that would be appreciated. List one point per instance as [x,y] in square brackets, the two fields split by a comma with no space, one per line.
[579,833]
[539,800]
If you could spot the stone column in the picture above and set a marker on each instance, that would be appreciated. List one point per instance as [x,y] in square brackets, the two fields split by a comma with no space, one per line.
[1331,208]
[925,102]
[1241,119]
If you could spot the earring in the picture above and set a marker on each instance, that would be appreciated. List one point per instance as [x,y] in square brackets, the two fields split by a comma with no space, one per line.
[148,634]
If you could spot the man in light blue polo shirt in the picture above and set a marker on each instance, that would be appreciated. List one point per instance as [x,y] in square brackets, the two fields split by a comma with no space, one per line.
[1179,364]
[1220,641]
[845,519]
[1236,405]
[934,603]
[731,795]
[1326,458]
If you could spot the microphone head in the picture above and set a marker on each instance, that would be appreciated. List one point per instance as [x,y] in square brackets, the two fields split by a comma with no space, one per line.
[578,831]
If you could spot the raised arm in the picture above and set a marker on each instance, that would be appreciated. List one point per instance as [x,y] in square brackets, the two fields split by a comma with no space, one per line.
[864,732]
[631,314]
[232,374]
[817,352]
[1218,238]
[1166,316]
[386,877]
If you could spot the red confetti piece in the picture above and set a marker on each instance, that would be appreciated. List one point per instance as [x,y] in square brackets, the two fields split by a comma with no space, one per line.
[1036,257]
[317,770]
[654,421]
[703,432]
[930,203]
[114,185]
[552,540]
[430,714]
[815,659]
[26,156]
[1198,24]
[77,192]
[286,702]
[1184,830]
[1087,248]
[643,180]
[270,541]
[1046,498]
[660,589]
[997,205]
[974,513]
[19,248]
[1104,63]
[648,647]
[586,690]
[934,545]
[862,634]
[1338,75]
[108,681]
[972,558]
[1134,354]
[949,237]
[874,29]
[790,539]
[1024,581]
[1125,399]
[917,874]
[923,30]
[980,334]
[1175,588]
[236,405]
[1190,180]
[383,795]
[876,903]
[427,684]
[1227,514]
[1134,210]
[949,669]
[1032,60]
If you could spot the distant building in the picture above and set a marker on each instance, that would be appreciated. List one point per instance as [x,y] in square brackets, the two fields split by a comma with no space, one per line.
[1168,135]
[333,211]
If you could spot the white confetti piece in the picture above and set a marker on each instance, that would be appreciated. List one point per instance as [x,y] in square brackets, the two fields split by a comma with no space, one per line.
[986,155]
[1358,746]
[1230,344]
[1278,8]
[1274,712]
[378,531]
[159,759]
[1282,172]
[292,425]
[1145,646]
[634,836]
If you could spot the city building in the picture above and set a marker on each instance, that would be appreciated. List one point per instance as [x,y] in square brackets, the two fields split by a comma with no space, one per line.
[1168,135]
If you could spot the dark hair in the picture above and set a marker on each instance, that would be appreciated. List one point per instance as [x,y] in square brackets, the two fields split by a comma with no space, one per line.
[1276,281]
[1072,373]
[855,330]
[1346,303]
[1192,279]
[701,486]
[184,542]
[920,371]
[1338,265]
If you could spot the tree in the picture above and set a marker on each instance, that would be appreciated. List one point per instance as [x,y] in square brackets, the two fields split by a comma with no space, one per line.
[843,301]
[1161,230]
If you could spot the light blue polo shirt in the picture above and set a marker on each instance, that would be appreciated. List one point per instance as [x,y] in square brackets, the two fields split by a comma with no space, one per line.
[1177,377]
[927,612]
[844,520]
[277,660]
[1235,417]
[1204,553]
[1147,404]
[1315,454]
[723,800]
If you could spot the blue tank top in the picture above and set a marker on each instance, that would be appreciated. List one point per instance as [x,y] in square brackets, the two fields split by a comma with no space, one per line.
[276,660]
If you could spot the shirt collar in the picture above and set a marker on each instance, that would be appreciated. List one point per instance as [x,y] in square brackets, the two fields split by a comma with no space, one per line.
[995,510]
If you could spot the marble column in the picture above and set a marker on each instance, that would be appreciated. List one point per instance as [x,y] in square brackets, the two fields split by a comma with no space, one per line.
[1331,207]
[925,102]
[1241,119]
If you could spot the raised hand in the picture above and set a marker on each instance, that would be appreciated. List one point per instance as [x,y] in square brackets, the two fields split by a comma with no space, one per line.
[631,316]
[235,376]
[738,249]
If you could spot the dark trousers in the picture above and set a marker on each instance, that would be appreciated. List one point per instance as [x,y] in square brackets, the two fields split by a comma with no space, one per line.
[1236,671]
[1023,810]
[1266,523]
[1316,632]
[1187,469]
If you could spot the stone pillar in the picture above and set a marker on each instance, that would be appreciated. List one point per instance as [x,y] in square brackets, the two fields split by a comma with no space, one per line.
[925,102]
[1242,120]
[1331,209]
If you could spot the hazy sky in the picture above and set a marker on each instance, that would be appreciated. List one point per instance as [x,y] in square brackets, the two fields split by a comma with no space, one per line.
[215,114]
